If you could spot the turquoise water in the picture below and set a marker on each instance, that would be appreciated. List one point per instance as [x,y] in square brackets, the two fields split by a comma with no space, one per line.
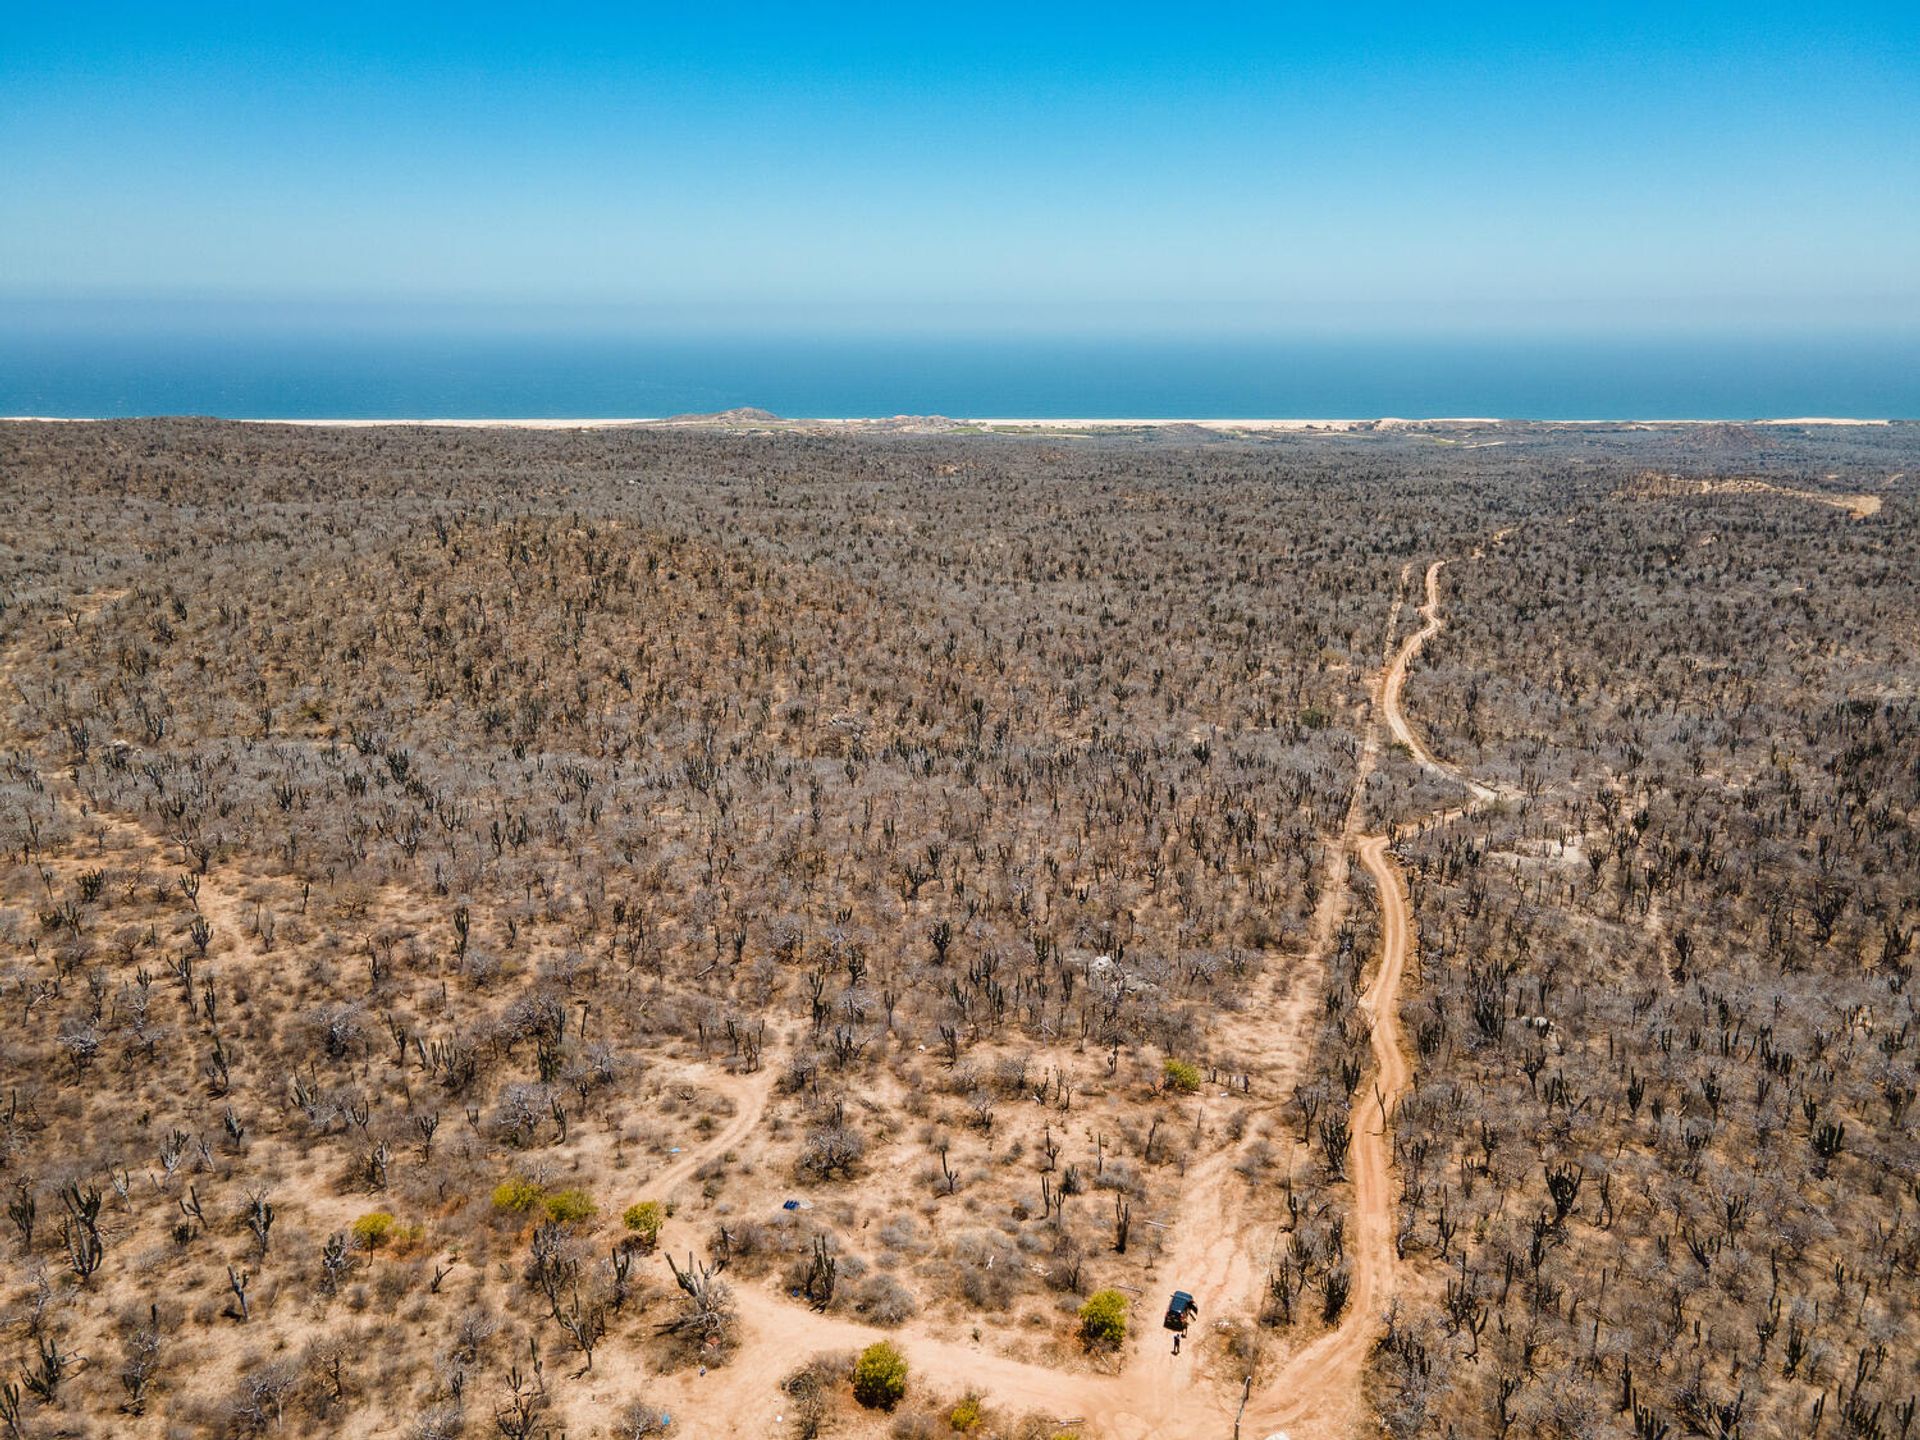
[385,376]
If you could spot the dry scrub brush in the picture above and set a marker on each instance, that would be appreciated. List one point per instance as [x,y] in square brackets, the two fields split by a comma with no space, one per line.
[401,822]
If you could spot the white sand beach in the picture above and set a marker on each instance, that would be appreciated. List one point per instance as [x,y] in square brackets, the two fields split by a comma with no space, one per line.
[941,422]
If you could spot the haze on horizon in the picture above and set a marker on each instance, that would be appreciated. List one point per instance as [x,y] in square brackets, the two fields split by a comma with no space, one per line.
[1717,168]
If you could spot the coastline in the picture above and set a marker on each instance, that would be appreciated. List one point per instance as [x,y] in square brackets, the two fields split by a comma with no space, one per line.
[940,423]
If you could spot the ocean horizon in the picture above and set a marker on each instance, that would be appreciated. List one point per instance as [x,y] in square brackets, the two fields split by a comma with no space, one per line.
[251,376]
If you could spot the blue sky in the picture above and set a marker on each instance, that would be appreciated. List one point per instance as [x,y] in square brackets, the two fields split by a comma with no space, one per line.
[1336,167]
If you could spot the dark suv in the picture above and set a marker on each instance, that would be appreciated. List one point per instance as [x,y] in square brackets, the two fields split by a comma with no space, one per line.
[1181,1310]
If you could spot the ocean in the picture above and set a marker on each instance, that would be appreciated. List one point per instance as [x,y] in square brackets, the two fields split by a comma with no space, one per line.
[389,376]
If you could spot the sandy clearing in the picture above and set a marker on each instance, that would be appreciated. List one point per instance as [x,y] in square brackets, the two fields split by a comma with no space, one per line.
[1859,504]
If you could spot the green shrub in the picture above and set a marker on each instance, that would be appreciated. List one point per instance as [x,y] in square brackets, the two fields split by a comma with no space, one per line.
[371,1231]
[563,1207]
[967,1415]
[645,1220]
[880,1376]
[1103,1319]
[517,1196]
[1182,1075]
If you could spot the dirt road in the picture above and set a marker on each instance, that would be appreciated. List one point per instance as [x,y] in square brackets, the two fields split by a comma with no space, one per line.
[1318,1392]
[1396,680]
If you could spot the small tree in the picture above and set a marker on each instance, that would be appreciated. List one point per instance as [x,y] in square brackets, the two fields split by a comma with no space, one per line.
[139,1357]
[645,1220]
[1103,1320]
[707,1315]
[1182,1075]
[880,1376]
[640,1421]
[832,1150]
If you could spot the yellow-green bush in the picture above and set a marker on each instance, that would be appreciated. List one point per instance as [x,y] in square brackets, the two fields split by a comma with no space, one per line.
[566,1206]
[518,1196]
[373,1230]
[645,1220]
[1182,1075]
[880,1376]
[967,1415]
[1103,1319]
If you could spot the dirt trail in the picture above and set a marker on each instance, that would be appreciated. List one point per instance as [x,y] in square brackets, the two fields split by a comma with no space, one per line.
[749,1094]
[1318,1392]
[1396,680]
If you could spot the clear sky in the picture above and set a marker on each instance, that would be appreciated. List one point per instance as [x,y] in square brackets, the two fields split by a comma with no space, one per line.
[1340,165]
